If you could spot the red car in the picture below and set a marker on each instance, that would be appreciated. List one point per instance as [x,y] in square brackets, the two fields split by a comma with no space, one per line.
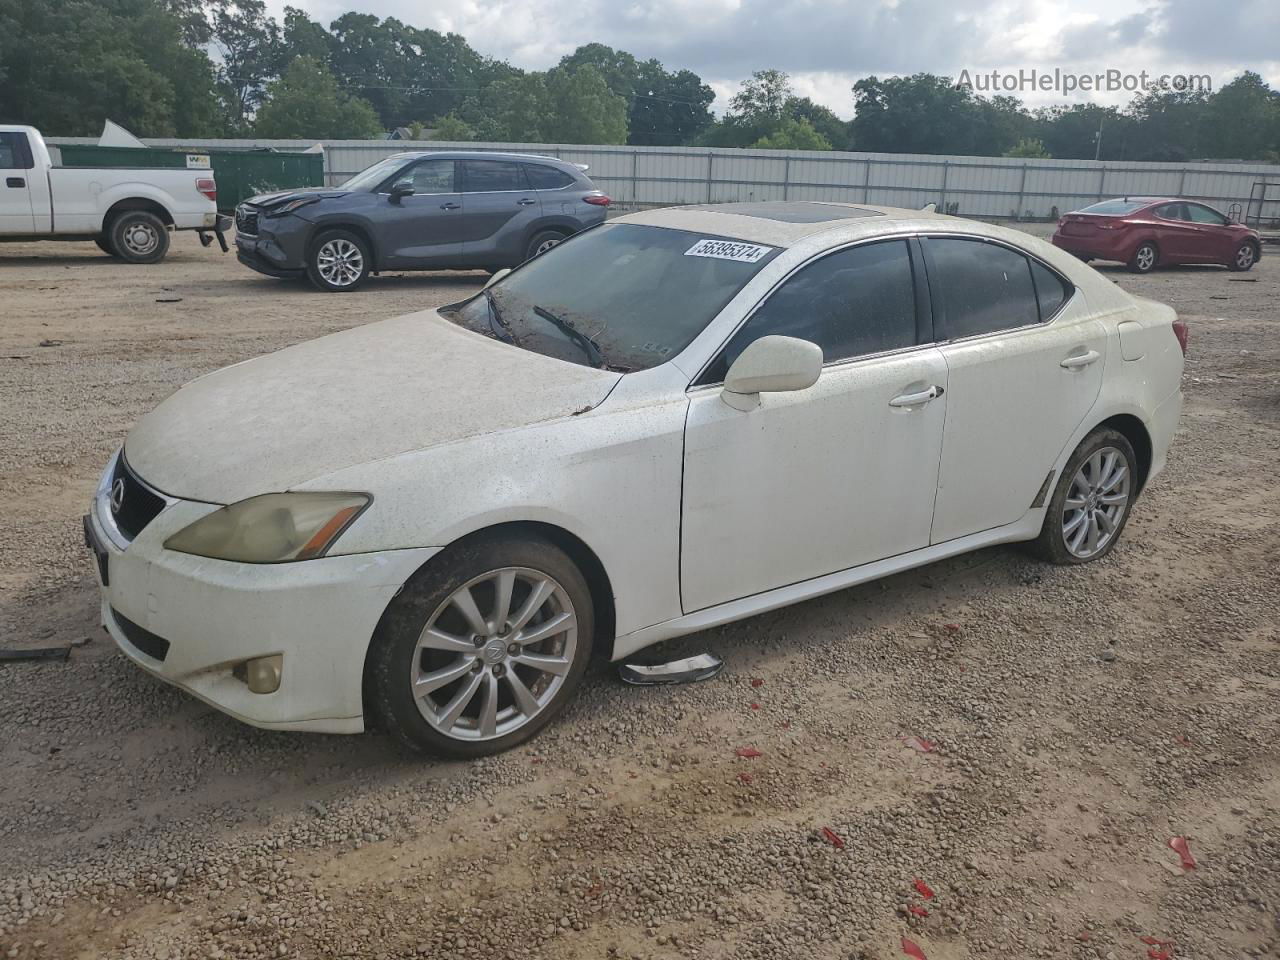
[1146,232]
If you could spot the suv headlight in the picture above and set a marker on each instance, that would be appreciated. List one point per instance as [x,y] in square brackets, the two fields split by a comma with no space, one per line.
[273,528]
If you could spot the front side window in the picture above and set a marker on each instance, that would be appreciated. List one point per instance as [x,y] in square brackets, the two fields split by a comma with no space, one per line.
[623,296]
[431,176]
[370,178]
[486,176]
[1173,211]
[851,303]
[14,154]
[1199,214]
[983,287]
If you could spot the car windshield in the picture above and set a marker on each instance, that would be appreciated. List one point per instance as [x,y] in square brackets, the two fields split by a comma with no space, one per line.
[622,296]
[370,177]
[1115,208]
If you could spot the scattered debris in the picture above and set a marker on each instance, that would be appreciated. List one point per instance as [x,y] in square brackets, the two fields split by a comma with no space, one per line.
[757,682]
[35,653]
[50,343]
[833,838]
[922,888]
[920,744]
[687,670]
[917,911]
[745,777]
[168,299]
[748,752]
[1179,846]
[912,949]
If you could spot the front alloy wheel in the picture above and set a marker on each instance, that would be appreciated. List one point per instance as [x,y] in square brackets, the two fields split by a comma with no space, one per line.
[482,648]
[339,261]
[1244,258]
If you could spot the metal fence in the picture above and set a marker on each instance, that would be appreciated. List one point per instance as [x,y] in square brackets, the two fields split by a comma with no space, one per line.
[989,187]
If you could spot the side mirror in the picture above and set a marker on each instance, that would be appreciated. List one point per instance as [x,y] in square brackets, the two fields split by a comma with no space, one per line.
[771,365]
[401,190]
[496,277]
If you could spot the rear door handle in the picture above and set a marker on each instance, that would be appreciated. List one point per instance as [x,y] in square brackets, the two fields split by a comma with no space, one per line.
[1083,360]
[450,206]
[15,182]
[526,202]
[916,399]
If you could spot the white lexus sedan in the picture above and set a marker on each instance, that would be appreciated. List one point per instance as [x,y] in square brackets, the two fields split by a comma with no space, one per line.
[677,419]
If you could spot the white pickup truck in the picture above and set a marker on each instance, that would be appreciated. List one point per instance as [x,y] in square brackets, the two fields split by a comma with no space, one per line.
[127,212]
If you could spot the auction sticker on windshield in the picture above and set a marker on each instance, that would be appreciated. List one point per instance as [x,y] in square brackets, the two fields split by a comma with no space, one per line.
[728,250]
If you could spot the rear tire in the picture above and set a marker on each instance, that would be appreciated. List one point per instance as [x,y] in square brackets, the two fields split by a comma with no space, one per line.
[339,261]
[1091,501]
[543,241]
[138,236]
[464,683]
[1245,257]
[104,244]
[1145,258]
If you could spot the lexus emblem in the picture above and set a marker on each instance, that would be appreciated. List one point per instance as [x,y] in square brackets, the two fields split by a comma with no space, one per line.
[117,496]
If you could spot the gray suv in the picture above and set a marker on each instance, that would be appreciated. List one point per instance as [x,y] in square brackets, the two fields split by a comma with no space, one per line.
[419,211]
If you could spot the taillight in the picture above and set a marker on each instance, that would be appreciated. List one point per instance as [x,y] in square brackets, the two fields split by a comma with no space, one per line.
[597,200]
[209,187]
[1113,224]
[1182,333]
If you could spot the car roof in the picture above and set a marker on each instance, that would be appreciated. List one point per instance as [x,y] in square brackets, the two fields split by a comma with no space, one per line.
[783,222]
[482,155]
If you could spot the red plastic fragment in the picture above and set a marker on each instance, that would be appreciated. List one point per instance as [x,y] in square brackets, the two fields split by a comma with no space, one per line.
[757,682]
[1084,936]
[1153,942]
[912,949]
[1179,846]
[745,777]
[755,706]
[917,911]
[748,752]
[535,760]
[1154,954]
[833,838]
[953,627]
[920,743]
[923,888]
[1182,741]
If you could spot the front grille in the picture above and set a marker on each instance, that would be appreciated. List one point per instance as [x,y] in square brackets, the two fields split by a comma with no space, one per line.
[133,505]
[157,648]
[246,221]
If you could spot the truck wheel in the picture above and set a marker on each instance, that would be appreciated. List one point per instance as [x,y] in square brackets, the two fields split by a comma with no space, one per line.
[104,244]
[138,236]
[339,261]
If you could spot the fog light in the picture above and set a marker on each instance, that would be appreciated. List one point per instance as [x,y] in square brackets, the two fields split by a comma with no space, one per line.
[263,675]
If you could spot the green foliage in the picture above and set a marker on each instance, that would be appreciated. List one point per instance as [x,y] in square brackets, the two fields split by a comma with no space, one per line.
[1030,148]
[794,133]
[247,41]
[306,104]
[453,128]
[583,108]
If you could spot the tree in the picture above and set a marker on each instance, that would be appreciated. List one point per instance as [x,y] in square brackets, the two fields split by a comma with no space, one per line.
[247,42]
[1027,147]
[762,98]
[822,119]
[1171,125]
[668,108]
[1071,132]
[584,109]
[305,104]
[1242,120]
[794,133]
[926,113]
[514,108]
[303,37]
[453,128]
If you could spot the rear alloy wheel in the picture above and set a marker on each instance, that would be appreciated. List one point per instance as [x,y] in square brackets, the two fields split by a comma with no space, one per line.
[1246,256]
[1145,258]
[481,651]
[1091,502]
[137,236]
[339,261]
[542,242]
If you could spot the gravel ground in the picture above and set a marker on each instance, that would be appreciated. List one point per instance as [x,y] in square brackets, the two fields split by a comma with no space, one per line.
[1069,722]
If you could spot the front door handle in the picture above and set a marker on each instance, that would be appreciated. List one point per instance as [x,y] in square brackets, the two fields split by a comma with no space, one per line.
[15,182]
[916,399]
[450,206]
[1082,360]
[526,202]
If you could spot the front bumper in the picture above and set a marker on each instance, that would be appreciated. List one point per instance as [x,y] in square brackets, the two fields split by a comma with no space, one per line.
[215,615]
[278,249]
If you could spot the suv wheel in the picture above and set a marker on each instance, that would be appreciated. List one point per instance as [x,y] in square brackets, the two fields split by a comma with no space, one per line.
[339,261]
[543,241]
[1091,501]
[483,648]
[137,236]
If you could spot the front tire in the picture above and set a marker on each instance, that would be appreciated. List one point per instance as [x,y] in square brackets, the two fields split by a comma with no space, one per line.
[1145,258]
[1245,257]
[138,236]
[482,648]
[1091,501]
[339,261]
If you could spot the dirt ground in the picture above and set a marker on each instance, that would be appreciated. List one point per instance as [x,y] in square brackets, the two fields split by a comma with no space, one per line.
[1069,722]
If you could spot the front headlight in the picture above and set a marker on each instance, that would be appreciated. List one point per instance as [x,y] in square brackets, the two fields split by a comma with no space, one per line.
[274,528]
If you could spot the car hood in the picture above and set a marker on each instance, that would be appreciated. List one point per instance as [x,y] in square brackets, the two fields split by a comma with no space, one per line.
[268,201]
[269,424]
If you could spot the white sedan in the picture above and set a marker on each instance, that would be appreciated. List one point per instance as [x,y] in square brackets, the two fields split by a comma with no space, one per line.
[674,420]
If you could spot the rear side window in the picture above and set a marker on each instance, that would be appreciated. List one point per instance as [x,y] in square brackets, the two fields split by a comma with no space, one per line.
[851,303]
[983,287]
[1051,290]
[482,176]
[14,152]
[546,178]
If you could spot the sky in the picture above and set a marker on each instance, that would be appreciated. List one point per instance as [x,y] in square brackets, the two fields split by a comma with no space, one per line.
[827,46]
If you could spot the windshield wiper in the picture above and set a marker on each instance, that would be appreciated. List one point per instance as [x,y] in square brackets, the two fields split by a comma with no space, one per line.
[501,329]
[592,349]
